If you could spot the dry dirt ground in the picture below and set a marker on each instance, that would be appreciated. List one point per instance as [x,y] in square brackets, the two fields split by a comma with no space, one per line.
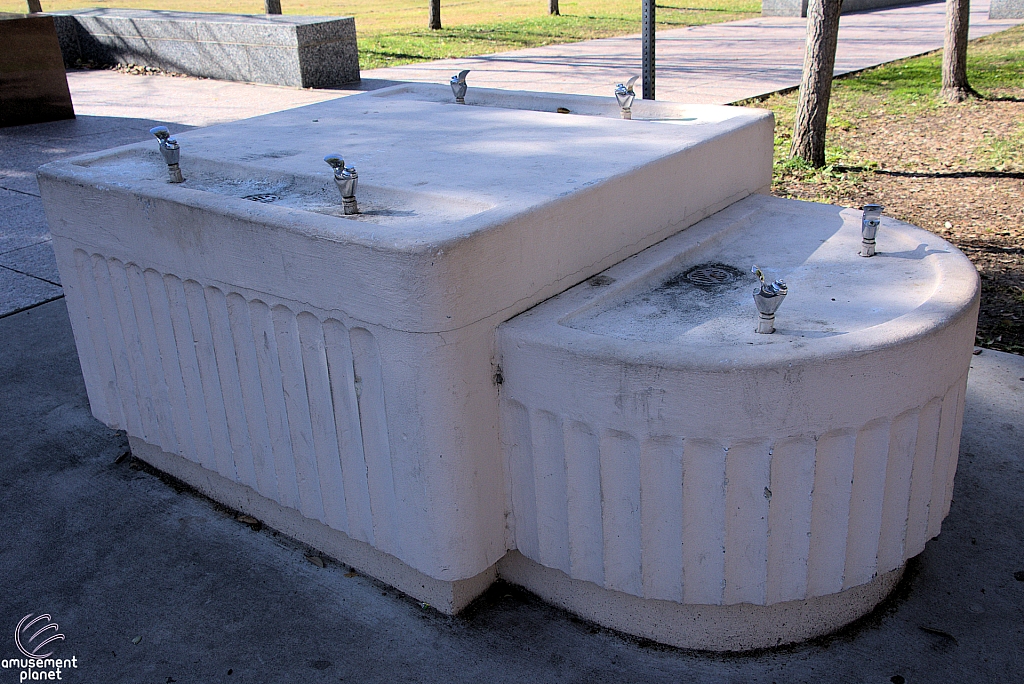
[956,170]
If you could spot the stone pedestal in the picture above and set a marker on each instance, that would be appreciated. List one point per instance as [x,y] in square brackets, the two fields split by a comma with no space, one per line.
[33,85]
[798,8]
[308,52]
[1006,9]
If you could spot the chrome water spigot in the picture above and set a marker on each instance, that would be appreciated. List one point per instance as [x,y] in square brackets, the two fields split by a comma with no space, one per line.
[767,298]
[459,86]
[346,178]
[625,95]
[869,221]
[170,151]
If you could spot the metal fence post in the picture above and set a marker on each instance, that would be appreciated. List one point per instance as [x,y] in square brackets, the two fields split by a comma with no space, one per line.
[647,47]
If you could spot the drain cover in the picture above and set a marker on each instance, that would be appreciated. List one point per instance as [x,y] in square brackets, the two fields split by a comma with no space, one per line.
[706,275]
[265,198]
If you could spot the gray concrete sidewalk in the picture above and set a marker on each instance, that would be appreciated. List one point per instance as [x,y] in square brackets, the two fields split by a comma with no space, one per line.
[152,584]
[714,64]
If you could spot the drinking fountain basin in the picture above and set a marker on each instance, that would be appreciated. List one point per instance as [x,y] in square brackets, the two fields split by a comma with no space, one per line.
[678,476]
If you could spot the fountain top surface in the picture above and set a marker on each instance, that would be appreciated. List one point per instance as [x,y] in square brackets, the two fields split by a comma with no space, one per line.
[692,293]
[430,170]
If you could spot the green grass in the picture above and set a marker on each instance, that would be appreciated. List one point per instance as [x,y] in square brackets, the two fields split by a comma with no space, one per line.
[404,47]
[907,88]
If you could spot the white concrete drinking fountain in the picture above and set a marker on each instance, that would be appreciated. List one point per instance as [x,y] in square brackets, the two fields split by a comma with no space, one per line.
[631,449]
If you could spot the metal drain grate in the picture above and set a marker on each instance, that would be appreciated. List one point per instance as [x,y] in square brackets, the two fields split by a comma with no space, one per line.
[711,274]
[706,275]
[264,198]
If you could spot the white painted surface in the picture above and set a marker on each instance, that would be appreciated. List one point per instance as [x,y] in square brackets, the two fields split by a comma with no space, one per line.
[343,367]
[732,467]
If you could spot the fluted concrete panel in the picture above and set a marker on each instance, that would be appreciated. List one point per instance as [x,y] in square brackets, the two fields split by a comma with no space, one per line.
[149,349]
[373,422]
[661,517]
[110,316]
[321,414]
[747,475]
[704,465]
[549,472]
[173,375]
[271,383]
[958,425]
[583,501]
[921,476]
[896,504]
[789,519]
[521,483]
[209,377]
[80,291]
[620,511]
[285,402]
[192,381]
[946,454]
[252,401]
[349,432]
[830,512]
[133,357]
[225,357]
[869,461]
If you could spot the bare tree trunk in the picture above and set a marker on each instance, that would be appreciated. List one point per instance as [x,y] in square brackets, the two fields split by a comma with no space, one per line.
[272,6]
[816,84]
[954,52]
[34,7]
[435,14]
[553,7]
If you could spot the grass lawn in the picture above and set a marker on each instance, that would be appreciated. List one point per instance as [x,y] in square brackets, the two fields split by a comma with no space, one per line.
[957,170]
[393,32]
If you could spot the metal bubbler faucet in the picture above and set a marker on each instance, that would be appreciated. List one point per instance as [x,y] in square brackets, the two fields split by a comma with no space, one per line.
[459,86]
[767,299]
[624,94]
[346,179]
[869,228]
[171,152]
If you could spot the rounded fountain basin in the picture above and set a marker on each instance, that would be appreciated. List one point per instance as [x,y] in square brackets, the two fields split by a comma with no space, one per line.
[676,475]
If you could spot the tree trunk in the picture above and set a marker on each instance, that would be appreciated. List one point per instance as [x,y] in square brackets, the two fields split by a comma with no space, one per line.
[553,7]
[34,7]
[816,84]
[954,52]
[435,14]
[272,6]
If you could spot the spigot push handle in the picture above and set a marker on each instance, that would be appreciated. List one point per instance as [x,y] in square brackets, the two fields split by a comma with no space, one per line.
[459,87]
[768,298]
[346,178]
[869,222]
[170,151]
[625,95]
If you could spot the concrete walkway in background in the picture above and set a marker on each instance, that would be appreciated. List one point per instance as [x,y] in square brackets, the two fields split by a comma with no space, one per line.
[714,64]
